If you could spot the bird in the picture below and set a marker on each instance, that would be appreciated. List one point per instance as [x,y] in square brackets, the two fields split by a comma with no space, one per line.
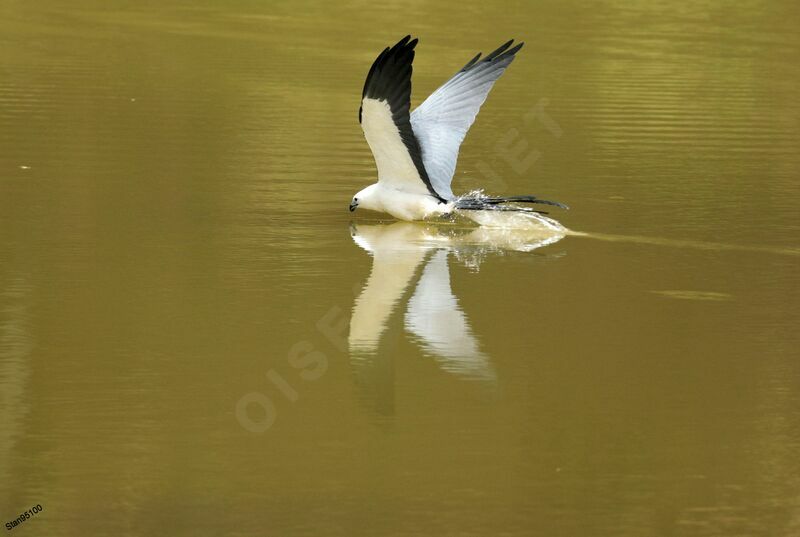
[416,152]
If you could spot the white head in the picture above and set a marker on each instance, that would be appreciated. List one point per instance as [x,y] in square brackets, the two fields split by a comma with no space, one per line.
[368,199]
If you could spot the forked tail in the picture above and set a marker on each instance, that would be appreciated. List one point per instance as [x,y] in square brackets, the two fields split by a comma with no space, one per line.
[479,203]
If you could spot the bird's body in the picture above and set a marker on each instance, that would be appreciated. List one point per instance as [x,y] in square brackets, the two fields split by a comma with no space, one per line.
[402,204]
[416,152]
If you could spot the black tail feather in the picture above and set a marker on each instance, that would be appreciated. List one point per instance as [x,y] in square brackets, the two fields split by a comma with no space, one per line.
[504,208]
[494,204]
[525,199]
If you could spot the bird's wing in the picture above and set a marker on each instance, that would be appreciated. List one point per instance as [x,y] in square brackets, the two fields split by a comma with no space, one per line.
[442,121]
[435,317]
[384,117]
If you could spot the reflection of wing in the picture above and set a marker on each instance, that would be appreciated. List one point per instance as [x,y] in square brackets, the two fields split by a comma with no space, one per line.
[434,316]
[395,257]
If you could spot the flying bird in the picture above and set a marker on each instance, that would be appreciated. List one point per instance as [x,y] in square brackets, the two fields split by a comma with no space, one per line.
[416,152]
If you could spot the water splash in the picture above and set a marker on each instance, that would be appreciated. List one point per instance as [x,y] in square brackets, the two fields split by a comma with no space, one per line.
[509,216]
[523,219]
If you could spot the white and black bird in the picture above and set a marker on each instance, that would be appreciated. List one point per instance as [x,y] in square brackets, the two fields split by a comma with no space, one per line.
[416,152]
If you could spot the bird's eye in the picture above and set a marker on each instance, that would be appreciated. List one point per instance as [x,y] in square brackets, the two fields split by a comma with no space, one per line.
[355,200]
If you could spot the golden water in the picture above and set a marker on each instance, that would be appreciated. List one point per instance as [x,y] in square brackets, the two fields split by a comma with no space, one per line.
[198,338]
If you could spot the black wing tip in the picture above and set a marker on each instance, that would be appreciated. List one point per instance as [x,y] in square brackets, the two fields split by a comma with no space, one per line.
[472,62]
[502,48]
[394,58]
[501,53]
[405,44]
[516,49]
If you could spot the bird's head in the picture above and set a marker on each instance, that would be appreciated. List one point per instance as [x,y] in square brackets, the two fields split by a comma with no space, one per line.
[365,199]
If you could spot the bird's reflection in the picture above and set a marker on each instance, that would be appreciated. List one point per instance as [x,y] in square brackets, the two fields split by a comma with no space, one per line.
[404,253]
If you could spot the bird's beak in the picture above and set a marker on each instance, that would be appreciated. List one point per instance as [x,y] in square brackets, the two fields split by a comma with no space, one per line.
[353,206]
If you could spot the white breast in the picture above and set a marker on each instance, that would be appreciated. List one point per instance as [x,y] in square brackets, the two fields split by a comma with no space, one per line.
[410,206]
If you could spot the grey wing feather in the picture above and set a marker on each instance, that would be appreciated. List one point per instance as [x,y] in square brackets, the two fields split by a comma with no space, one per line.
[442,121]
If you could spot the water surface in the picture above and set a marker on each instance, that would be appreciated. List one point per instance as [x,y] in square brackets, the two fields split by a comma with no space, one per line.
[197,337]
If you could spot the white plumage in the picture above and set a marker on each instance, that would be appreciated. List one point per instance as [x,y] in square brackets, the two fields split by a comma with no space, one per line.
[396,170]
